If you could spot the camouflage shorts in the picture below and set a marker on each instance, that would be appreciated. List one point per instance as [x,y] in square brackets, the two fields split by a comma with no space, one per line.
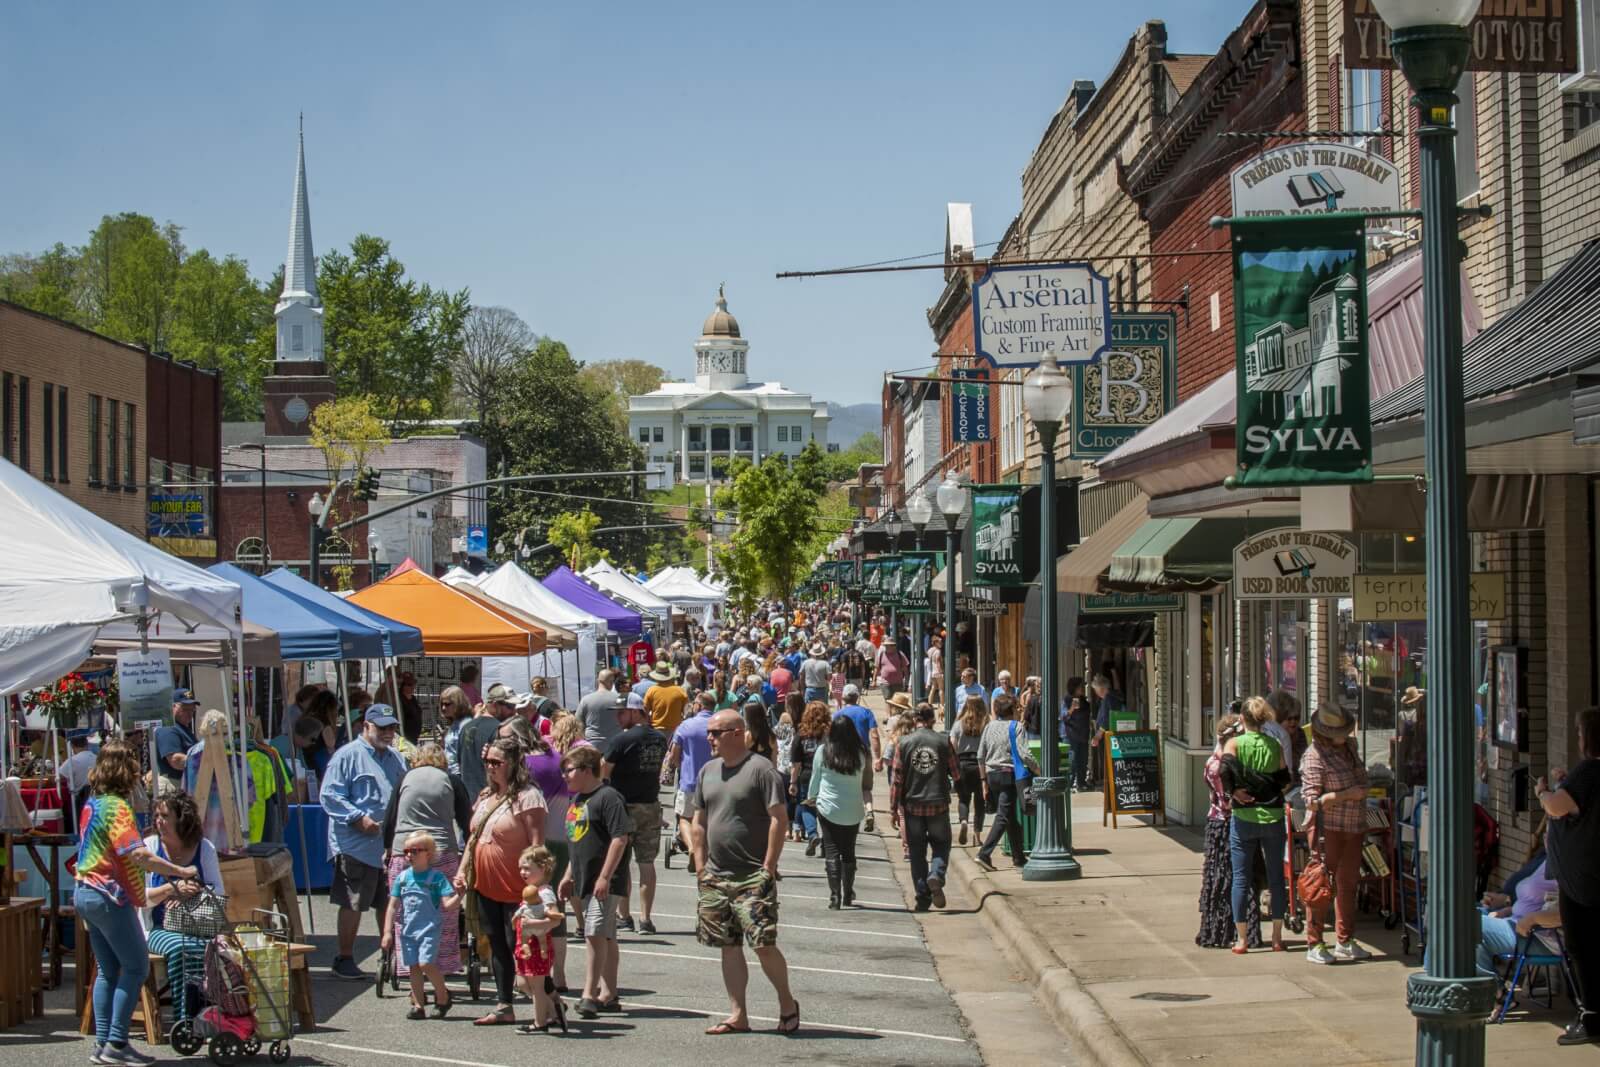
[729,908]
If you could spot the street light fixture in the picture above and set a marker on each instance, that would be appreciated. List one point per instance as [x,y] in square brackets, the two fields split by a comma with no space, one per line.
[919,511]
[316,507]
[952,499]
[1046,396]
[1430,41]
[894,527]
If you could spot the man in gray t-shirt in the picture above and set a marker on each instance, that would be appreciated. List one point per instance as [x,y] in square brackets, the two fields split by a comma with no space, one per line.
[598,710]
[740,819]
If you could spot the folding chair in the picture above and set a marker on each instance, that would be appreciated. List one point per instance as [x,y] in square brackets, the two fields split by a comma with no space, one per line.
[1534,955]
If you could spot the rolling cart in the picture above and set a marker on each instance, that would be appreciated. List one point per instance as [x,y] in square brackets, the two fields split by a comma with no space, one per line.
[247,983]
[1410,869]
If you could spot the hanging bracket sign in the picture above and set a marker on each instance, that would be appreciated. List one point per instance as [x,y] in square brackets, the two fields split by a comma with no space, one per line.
[1311,179]
[1022,314]
[1289,562]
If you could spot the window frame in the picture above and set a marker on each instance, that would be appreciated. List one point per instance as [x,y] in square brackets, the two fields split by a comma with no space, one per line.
[8,416]
[24,431]
[130,443]
[113,440]
[48,452]
[62,437]
[96,419]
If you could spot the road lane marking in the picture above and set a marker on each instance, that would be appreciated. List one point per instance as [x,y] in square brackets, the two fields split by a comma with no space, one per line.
[805,1025]
[782,895]
[298,1040]
[782,925]
[579,946]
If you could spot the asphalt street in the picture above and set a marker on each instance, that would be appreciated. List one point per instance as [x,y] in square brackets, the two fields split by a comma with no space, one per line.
[867,986]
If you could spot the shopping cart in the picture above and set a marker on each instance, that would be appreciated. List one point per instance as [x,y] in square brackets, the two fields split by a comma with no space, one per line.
[247,984]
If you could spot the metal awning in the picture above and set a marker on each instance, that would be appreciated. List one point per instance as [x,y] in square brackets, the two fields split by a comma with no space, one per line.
[1179,554]
[1080,570]
[938,583]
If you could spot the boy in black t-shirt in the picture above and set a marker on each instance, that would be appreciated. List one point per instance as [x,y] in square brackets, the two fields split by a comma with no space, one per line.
[632,765]
[597,835]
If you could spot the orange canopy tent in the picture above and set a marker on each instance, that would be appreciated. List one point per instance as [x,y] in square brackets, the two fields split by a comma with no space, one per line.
[451,624]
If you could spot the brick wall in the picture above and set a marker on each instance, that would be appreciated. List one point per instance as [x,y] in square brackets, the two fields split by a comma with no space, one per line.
[46,350]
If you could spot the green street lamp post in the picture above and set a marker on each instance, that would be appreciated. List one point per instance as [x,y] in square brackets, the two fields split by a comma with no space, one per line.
[1046,396]
[894,526]
[951,499]
[919,511]
[1430,42]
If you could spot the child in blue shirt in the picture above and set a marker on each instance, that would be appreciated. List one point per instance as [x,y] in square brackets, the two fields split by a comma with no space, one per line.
[418,900]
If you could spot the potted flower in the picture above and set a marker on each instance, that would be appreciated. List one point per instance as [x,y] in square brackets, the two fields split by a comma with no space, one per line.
[67,703]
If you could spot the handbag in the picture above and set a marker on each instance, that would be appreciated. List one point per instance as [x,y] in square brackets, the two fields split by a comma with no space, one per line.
[469,868]
[1315,884]
[204,915]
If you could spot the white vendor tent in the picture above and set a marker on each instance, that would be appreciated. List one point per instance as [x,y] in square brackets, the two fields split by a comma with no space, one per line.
[572,670]
[683,589]
[65,572]
[619,586]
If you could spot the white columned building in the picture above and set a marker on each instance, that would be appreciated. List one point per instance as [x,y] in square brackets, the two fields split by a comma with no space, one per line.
[694,430]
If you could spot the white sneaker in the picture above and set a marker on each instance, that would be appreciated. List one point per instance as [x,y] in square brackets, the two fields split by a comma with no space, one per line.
[1350,950]
[1319,953]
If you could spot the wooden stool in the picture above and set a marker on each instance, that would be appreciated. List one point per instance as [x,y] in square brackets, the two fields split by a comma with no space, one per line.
[147,1012]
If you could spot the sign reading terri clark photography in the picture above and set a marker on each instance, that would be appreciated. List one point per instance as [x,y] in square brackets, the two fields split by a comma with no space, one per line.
[1519,36]
[1022,314]
[1291,562]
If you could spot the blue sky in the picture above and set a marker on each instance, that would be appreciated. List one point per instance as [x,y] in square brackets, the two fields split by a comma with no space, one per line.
[598,168]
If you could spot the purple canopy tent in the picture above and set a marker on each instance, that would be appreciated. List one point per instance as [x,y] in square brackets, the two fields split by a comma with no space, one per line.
[579,593]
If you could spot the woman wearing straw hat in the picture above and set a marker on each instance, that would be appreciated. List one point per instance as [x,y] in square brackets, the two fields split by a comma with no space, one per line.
[1333,781]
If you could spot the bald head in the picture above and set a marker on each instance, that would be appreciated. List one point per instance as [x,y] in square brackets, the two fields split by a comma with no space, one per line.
[726,732]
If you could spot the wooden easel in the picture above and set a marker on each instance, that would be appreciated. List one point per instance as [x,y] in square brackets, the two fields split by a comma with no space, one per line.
[216,770]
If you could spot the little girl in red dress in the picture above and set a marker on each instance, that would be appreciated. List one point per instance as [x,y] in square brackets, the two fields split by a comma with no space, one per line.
[533,923]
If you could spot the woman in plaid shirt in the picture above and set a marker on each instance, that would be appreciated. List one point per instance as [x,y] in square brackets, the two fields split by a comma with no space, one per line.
[1333,781]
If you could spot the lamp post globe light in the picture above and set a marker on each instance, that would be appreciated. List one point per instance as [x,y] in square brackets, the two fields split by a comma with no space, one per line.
[951,499]
[314,544]
[1430,42]
[1046,397]
[919,511]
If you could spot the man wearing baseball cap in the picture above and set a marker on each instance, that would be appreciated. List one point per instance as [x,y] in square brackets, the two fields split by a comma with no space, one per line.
[355,795]
[174,742]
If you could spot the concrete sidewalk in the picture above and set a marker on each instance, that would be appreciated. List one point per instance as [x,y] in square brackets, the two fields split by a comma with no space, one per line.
[1113,959]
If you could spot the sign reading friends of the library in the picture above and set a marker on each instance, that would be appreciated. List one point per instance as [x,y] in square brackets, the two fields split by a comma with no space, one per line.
[1515,36]
[1289,562]
[1312,179]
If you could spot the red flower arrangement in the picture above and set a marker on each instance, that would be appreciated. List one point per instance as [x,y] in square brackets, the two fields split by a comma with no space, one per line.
[68,700]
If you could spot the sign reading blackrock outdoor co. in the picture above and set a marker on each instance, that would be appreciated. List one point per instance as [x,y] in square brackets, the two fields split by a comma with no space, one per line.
[1129,387]
[1311,179]
[1022,314]
[1290,562]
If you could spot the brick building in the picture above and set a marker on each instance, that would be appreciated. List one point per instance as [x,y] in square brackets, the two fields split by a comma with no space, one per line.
[124,433]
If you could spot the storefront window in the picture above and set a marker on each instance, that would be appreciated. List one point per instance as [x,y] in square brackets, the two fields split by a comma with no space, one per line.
[1209,662]
[1279,626]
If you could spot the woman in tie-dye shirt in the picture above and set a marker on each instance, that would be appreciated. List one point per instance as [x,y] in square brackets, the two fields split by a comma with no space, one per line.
[112,859]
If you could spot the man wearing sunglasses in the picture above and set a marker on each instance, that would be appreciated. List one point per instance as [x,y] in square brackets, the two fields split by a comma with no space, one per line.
[740,821]
[355,795]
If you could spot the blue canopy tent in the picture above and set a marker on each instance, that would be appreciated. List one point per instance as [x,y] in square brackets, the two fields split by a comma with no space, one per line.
[398,638]
[579,593]
[305,630]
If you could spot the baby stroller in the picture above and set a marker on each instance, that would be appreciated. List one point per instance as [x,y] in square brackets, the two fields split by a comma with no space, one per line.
[247,985]
[389,966]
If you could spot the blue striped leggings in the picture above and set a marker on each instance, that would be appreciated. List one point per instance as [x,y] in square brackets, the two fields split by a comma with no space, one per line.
[186,958]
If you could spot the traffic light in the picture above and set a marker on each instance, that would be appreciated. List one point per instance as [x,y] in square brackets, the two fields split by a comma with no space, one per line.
[367,484]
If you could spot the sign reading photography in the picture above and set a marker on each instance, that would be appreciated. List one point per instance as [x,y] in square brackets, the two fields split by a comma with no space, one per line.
[1290,562]
[1000,554]
[969,405]
[916,582]
[1400,597]
[1300,329]
[1129,387]
[1310,179]
[1519,36]
[1022,314]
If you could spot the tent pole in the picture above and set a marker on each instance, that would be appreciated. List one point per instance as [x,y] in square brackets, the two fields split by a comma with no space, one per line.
[349,712]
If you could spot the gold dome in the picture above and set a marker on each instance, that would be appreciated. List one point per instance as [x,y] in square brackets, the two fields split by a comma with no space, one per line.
[719,323]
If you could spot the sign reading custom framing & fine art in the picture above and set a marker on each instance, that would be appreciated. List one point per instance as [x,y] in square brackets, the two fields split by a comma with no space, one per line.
[1127,388]
[1300,330]
[1022,314]
[1289,562]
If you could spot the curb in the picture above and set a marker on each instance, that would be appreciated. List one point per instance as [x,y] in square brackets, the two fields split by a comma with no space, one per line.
[1073,1010]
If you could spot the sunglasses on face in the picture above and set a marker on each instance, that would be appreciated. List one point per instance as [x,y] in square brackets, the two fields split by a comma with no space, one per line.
[722,730]
[569,770]
[494,763]
[417,851]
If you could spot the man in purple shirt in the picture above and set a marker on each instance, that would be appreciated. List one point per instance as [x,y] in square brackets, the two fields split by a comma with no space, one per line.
[689,752]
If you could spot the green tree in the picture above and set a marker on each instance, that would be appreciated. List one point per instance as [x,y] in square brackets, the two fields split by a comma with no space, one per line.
[48,283]
[779,521]
[219,313]
[619,379]
[572,532]
[129,274]
[387,336]
[540,421]
[843,466]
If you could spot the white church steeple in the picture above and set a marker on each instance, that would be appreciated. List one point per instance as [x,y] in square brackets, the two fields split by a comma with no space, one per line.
[299,311]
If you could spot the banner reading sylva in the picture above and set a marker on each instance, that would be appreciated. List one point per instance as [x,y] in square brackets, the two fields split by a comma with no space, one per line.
[999,553]
[916,582]
[1300,327]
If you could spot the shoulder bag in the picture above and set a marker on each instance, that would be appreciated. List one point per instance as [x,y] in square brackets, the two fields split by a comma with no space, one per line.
[1315,884]
[469,867]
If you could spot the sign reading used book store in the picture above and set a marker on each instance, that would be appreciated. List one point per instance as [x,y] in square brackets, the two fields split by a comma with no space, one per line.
[1311,179]
[1127,388]
[1289,562]
[1300,331]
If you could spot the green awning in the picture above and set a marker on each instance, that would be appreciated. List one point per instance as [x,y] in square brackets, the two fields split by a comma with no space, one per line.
[1174,554]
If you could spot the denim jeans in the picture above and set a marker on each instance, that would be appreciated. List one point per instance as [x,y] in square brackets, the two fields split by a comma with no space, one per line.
[1080,761]
[1497,936]
[816,693]
[1244,840]
[808,821]
[922,833]
[1007,819]
[121,956]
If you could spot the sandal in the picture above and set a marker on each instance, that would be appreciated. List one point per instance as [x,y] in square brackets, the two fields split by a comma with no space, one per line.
[504,1016]
[726,1027]
[530,1028]
[1239,950]
[417,1012]
[784,1021]
[442,1008]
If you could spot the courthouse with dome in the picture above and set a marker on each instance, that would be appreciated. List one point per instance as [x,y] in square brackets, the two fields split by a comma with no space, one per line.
[693,430]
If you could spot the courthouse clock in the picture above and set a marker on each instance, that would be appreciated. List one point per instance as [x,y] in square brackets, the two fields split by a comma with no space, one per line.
[296,410]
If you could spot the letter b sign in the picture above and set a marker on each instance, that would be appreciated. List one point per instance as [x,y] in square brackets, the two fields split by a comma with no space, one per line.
[1108,379]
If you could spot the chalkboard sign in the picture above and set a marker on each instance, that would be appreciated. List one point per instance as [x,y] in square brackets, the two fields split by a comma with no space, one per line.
[1133,775]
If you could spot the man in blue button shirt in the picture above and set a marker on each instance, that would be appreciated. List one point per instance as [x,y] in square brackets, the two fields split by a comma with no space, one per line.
[355,795]
[174,742]
[690,750]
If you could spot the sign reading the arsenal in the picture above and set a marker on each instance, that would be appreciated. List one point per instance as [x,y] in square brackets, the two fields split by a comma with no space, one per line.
[1022,314]
[1290,562]
[1310,179]
[1519,36]
[1129,387]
